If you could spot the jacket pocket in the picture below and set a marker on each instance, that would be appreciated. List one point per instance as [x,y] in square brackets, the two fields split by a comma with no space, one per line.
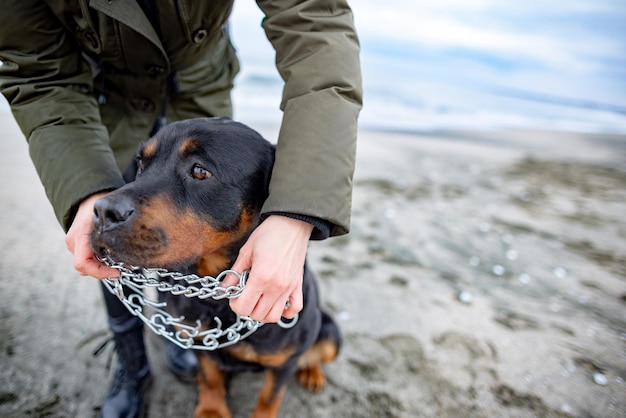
[203,20]
[216,70]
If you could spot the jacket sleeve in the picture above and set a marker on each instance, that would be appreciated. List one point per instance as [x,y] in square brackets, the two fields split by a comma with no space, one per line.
[317,55]
[48,85]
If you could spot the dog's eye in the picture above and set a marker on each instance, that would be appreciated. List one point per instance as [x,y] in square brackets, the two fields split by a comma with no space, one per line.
[200,173]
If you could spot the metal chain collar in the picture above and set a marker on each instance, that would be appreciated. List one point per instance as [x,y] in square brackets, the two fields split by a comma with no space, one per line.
[177,330]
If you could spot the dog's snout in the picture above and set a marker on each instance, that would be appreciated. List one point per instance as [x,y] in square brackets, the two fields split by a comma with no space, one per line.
[112,211]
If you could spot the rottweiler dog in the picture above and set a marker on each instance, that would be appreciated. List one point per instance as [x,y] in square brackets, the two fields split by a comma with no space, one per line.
[196,196]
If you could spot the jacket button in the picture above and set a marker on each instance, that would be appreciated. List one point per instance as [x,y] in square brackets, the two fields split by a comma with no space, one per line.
[156,69]
[199,36]
[146,105]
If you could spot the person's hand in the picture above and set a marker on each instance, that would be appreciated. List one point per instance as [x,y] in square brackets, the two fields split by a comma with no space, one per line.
[274,254]
[77,242]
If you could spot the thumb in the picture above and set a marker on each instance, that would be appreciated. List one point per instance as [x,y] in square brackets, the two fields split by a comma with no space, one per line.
[242,263]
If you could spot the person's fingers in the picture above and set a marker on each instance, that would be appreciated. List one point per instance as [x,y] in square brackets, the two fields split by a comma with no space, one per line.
[263,309]
[294,305]
[86,263]
[268,309]
[282,308]
[94,268]
[242,263]
[77,242]
[230,280]
[267,306]
[102,271]
[275,313]
[274,253]
[247,301]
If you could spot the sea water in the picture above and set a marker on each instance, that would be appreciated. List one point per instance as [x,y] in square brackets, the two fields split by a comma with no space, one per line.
[464,64]
[472,64]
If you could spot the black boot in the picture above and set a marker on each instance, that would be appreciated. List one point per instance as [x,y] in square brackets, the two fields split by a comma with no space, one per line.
[132,373]
[181,362]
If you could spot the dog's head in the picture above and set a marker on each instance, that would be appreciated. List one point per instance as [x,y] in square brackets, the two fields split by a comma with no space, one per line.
[197,193]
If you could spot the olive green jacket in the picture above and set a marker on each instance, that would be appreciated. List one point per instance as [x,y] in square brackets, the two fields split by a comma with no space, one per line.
[58,57]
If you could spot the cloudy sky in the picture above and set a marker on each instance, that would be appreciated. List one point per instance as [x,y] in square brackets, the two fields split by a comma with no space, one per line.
[567,52]
[438,54]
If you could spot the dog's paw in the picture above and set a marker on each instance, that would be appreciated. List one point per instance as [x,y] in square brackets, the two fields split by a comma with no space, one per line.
[312,378]
[210,414]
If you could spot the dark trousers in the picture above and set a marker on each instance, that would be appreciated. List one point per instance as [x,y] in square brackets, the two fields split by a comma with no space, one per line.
[120,319]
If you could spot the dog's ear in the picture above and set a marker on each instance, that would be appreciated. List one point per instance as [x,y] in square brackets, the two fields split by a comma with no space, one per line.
[131,171]
[264,174]
[130,174]
[270,166]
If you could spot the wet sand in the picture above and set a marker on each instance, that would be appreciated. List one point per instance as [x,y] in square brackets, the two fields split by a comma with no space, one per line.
[485,275]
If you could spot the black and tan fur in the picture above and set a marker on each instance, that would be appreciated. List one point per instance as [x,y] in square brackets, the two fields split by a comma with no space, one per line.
[195,198]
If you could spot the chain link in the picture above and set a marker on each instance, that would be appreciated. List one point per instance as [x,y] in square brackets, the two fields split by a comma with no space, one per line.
[178,330]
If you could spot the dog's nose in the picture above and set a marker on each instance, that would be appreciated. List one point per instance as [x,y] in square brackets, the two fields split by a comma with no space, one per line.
[111,211]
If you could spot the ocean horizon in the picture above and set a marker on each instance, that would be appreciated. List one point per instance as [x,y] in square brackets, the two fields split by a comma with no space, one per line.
[474,64]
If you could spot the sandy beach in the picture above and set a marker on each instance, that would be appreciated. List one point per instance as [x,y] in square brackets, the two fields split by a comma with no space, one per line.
[484,276]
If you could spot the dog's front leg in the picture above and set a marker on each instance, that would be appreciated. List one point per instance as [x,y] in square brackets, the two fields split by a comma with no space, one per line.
[271,395]
[211,390]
